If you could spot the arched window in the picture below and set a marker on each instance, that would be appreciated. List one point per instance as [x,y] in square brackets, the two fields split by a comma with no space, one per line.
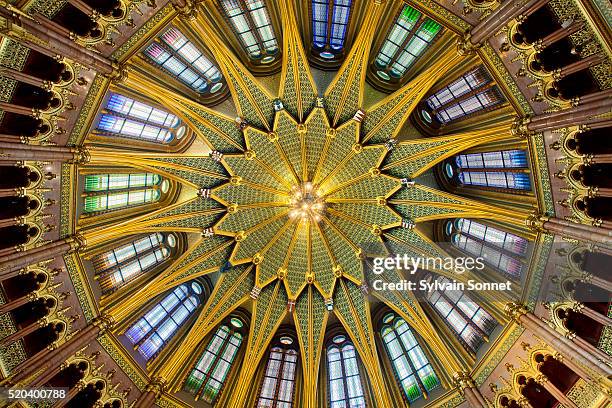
[181,58]
[156,328]
[278,384]
[505,169]
[120,265]
[412,369]
[500,250]
[472,92]
[208,376]
[330,20]
[411,34]
[125,117]
[251,23]
[105,192]
[345,385]
[465,317]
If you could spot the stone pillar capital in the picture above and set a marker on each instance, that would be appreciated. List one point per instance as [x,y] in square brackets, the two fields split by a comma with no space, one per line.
[463,380]
[536,221]
[157,385]
[104,322]
[515,311]
[520,127]
[465,46]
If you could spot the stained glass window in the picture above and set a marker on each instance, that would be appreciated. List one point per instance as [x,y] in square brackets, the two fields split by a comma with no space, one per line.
[412,368]
[464,316]
[115,191]
[345,386]
[478,102]
[122,264]
[252,24]
[505,159]
[410,36]
[211,370]
[106,182]
[278,383]
[498,179]
[156,328]
[472,92]
[499,249]
[329,25]
[179,56]
[137,110]
[468,82]
[488,169]
[128,118]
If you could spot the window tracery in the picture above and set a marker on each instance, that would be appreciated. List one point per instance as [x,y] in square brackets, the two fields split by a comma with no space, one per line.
[409,37]
[176,54]
[413,370]
[330,19]
[157,327]
[344,379]
[109,192]
[251,23]
[278,385]
[472,92]
[501,250]
[127,262]
[127,118]
[470,322]
[506,169]
[210,372]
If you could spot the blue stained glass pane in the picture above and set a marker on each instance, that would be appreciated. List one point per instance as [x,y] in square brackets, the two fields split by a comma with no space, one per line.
[319,22]
[342,11]
[137,332]
[150,346]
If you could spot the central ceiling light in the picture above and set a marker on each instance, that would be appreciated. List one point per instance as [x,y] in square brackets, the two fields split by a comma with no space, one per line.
[306,203]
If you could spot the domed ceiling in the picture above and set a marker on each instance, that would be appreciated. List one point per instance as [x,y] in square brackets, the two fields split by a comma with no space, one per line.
[288,190]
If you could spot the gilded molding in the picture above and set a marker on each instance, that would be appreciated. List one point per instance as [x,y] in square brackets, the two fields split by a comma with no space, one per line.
[493,360]
[124,361]
[81,287]
[90,106]
[151,27]
[503,78]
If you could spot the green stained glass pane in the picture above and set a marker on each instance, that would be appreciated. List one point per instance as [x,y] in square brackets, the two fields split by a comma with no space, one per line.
[413,392]
[97,203]
[96,182]
[410,15]
[431,27]
[193,383]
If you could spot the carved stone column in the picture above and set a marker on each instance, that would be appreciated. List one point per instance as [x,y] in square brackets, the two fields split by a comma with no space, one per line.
[11,264]
[566,347]
[25,78]
[572,230]
[577,66]
[152,392]
[57,39]
[587,112]
[14,304]
[51,358]
[20,110]
[501,16]
[467,387]
[555,392]
[16,151]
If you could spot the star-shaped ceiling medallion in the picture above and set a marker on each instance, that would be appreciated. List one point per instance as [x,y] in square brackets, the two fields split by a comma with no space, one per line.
[303,201]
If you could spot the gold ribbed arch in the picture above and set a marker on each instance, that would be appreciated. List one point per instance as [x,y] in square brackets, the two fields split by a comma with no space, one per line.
[243,195]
